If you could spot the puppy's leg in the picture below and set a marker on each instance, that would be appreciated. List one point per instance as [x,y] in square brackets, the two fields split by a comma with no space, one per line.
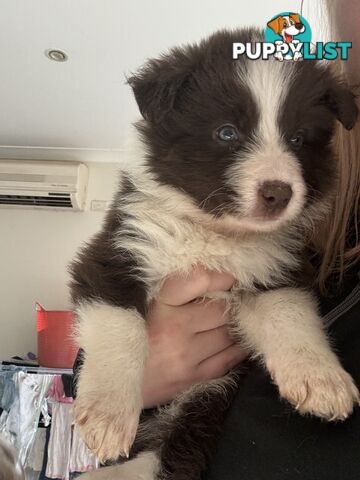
[191,427]
[283,327]
[144,467]
[109,396]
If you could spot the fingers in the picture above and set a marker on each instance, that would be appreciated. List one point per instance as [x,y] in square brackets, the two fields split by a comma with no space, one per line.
[205,315]
[191,318]
[189,340]
[179,289]
[212,342]
[220,364]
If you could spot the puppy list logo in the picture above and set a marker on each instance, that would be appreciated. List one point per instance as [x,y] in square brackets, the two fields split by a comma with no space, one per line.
[288,37]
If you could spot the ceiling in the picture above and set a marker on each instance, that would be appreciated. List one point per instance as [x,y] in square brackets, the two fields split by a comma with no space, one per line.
[81,109]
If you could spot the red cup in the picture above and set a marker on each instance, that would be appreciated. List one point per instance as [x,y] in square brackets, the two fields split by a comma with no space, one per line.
[56,345]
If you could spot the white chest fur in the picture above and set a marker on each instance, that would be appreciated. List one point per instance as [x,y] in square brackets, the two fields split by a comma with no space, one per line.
[166,235]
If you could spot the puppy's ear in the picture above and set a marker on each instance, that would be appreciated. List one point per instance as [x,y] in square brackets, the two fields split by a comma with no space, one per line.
[341,101]
[159,85]
[276,25]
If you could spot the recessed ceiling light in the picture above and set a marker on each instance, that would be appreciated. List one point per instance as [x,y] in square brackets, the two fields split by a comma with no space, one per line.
[56,55]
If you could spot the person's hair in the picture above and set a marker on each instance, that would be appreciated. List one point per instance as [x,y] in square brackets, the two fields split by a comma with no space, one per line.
[342,223]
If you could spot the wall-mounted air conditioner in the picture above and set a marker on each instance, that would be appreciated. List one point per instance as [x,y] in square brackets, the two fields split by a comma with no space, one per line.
[43,184]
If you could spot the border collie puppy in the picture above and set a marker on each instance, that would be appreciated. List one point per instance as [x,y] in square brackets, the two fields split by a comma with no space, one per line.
[235,165]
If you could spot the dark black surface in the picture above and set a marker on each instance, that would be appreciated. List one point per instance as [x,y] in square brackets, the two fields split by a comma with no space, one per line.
[67,381]
[265,439]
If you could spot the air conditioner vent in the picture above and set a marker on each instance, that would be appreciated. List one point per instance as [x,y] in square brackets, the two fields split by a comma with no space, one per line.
[56,194]
[63,201]
[43,184]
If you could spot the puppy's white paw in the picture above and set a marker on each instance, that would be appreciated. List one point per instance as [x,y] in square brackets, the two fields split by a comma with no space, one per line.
[108,422]
[321,388]
[109,386]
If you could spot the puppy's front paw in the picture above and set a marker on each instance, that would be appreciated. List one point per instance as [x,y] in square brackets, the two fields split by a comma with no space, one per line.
[108,422]
[321,388]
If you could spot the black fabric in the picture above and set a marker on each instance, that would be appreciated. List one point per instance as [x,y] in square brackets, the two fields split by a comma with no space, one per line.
[67,381]
[79,360]
[265,439]
[42,475]
[336,294]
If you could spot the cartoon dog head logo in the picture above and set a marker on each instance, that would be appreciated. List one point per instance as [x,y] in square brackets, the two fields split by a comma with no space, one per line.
[287,30]
[288,26]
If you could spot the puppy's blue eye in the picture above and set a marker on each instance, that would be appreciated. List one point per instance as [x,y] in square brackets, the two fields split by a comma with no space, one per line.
[227,133]
[297,139]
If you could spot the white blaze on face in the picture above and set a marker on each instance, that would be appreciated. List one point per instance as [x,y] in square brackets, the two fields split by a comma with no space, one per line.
[268,159]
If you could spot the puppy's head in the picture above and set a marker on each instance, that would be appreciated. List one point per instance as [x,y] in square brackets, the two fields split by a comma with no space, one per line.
[247,140]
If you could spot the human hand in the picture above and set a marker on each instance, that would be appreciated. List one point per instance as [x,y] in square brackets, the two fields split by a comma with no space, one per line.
[188,341]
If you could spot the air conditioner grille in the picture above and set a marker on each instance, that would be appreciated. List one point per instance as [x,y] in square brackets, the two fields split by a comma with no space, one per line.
[63,201]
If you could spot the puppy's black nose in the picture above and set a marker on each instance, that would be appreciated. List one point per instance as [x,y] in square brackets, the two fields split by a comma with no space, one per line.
[299,26]
[275,195]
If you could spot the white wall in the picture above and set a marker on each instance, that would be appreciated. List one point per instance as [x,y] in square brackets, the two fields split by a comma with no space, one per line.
[35,248]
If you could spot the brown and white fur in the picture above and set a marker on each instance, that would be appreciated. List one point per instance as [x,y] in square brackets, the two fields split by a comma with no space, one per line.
[239,199]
